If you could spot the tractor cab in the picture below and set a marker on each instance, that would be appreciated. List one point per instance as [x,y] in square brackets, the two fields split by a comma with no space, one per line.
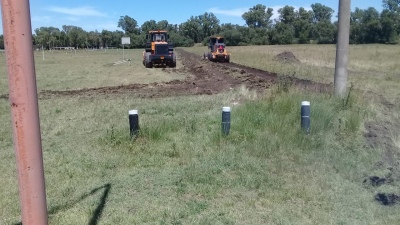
[218,51]
[157,36]
[216,44]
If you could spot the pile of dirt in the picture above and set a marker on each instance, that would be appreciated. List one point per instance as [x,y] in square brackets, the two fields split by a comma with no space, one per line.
[286,57]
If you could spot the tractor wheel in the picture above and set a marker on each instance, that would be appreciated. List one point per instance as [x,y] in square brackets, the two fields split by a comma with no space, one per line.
[228,59]
[209,57]
[173,63]
[148,63]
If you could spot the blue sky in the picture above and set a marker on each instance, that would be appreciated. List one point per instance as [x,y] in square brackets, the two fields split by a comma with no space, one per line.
[99,15]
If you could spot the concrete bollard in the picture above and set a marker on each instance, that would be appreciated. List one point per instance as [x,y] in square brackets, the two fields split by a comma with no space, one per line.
[226,120]
[133,122]
[305,116]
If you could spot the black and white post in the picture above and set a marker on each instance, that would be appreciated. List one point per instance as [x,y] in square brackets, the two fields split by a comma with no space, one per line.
[226,120]
[305,116]
[133,122]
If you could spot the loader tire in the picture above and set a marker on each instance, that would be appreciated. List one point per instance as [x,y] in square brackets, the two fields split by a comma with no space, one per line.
[148,63]
[173,63]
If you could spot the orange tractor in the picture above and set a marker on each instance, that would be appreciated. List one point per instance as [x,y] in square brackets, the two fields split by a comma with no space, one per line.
[158,51]
[218,52]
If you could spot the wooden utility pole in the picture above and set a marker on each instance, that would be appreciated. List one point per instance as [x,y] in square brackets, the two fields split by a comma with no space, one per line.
[24,110]
[342,49]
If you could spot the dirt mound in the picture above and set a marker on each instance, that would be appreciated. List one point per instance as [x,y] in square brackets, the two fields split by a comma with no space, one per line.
[286,57]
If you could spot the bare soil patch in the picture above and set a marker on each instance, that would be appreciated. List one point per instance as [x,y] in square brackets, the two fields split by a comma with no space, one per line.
[205,78]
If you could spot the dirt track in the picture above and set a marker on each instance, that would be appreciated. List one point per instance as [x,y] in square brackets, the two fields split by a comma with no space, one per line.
[206,78]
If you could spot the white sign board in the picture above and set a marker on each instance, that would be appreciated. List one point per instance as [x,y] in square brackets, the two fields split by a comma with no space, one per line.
[126,40]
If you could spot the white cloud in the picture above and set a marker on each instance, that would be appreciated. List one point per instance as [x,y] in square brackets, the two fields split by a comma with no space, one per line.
[228,12]
[99,26]
[78,11]
[72,18]
[41,19]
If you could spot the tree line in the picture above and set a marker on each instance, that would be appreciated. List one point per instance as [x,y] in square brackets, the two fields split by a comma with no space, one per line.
[291,26]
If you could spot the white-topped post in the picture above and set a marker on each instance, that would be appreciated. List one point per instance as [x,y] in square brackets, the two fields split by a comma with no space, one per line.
[305,116]
[226,120]
[133,122]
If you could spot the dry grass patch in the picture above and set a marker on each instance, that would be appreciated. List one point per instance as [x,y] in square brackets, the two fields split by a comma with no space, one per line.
[67,70]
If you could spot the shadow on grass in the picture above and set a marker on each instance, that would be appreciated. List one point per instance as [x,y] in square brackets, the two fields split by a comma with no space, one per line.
[97,213]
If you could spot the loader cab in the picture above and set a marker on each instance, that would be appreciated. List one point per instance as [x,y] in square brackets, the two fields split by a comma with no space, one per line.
[157,36]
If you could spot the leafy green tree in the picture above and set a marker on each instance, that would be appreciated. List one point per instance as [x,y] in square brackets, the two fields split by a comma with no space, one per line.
[209,24]
[47,37]
[138,40]
[200,27]
[162,25]
[282,34]
[192,29]
[356,35]
[149,25]
[77,37]
[323,31]
[388,23]
[303,25]
[106,38]
[231,33]
[258,16]
[287,14]
[173,28]
[321,12]
[392,5]
[283,31]
[258,36]
[128,24]
[116,38]
[93,39]
[371,26]
[63,39]
[180,41]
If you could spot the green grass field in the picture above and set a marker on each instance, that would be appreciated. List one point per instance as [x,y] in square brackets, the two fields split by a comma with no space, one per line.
[180,170]
[67,70]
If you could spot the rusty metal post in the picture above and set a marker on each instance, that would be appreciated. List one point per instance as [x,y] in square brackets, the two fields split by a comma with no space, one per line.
[25,111]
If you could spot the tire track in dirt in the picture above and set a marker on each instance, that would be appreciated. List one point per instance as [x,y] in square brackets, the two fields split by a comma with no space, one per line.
[206,78]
